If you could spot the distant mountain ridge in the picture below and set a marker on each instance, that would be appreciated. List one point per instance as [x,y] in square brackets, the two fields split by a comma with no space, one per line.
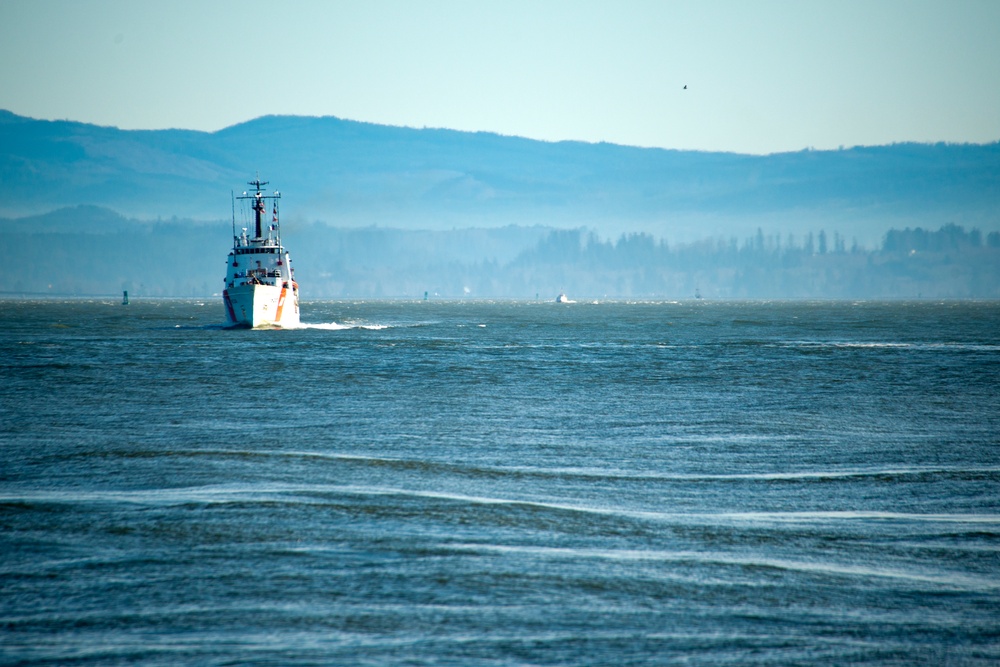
[354,174]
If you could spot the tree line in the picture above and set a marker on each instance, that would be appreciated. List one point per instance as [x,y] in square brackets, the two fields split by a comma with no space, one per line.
[187,259]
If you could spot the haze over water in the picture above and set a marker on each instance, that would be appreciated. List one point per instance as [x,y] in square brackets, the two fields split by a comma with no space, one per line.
[501,483]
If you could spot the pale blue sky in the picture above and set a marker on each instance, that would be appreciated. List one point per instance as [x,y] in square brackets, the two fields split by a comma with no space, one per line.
[763,76]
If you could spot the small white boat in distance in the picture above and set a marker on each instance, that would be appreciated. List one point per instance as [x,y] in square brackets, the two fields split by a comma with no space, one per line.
[260,284]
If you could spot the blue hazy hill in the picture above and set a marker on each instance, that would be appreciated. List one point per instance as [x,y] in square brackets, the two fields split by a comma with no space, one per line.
[353,174]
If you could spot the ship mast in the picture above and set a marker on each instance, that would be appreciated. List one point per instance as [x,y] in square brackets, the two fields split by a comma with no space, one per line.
[259,210]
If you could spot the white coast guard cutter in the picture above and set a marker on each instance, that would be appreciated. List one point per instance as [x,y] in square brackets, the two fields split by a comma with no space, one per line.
[260,285]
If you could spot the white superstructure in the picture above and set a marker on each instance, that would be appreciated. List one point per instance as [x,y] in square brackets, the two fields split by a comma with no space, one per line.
[260,284]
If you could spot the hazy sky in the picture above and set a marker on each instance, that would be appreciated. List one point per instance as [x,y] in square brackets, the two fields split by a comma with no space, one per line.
[762,76]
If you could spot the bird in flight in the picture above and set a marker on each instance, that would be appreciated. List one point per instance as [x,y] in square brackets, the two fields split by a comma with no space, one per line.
[685,86]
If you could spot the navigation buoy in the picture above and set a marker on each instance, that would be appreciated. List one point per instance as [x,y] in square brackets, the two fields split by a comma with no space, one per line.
[125,298]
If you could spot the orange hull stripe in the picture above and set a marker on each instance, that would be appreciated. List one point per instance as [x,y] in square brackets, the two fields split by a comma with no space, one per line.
[281,304]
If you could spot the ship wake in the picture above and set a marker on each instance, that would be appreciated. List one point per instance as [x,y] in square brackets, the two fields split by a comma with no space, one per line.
[337,326]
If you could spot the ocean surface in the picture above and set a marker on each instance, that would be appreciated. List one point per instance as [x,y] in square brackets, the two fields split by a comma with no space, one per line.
[501,483]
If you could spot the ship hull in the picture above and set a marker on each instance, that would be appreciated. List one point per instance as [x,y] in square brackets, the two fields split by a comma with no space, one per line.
[255,306]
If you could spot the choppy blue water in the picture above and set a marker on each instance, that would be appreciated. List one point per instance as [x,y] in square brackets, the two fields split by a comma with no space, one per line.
[501,484]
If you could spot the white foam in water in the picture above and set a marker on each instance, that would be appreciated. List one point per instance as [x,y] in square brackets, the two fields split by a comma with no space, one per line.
[334,326]
[935,577]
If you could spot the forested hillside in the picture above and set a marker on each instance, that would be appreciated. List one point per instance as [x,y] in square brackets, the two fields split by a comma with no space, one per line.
[350,174]
[93,251]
